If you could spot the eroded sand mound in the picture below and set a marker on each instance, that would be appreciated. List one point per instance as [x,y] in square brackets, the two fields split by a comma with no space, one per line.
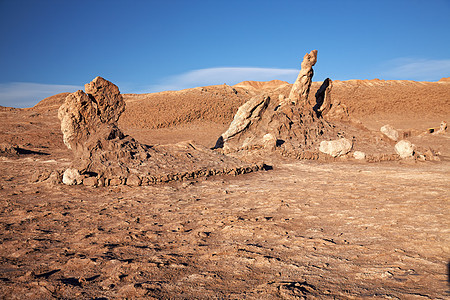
[258,86]
[366,100]
[167,109]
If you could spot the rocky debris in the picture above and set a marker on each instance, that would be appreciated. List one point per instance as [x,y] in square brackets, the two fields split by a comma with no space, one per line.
[390,132]
[8,150]
[48,176]
[104,155]
[426,154]
[336,148]
[359,155]
[379,157]
[300,90]
[271,122]
[404,149]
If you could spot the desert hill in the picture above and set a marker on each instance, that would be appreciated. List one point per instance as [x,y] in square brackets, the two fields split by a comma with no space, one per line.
[258,86]
[366,100]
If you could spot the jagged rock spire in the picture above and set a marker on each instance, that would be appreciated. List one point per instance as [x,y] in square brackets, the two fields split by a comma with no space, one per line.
[300,90]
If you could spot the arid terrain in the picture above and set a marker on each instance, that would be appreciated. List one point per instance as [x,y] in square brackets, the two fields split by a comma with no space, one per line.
[312,229]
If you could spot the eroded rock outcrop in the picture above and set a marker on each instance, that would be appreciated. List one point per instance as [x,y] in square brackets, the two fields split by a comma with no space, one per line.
[328,107]
[104,155]
[272,122]
[300,90]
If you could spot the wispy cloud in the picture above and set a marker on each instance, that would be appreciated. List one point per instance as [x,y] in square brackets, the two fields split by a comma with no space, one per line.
[27,94]
[417,69]
[229,75]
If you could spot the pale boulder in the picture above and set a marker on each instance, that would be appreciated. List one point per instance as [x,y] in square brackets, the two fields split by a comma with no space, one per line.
[359,155]
[269,141]
[71,177]
[390,132]
[336,147]
[404,148]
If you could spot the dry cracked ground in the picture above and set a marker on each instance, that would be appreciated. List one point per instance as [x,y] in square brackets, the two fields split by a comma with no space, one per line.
[303,229]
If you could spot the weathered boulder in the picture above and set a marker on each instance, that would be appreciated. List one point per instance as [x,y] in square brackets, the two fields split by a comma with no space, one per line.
[404,149]
[390,132]
[336,148]
[359,155]
[8,149]
[71,176]
[84,115]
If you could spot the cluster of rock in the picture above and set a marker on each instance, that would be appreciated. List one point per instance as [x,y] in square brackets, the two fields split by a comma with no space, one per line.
[8,150]
[404,148]
[104,156]
[291,125]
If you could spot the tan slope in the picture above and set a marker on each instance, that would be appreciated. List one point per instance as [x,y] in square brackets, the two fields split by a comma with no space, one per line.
[367,100]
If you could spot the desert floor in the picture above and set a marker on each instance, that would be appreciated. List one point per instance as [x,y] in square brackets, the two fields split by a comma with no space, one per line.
[345,230]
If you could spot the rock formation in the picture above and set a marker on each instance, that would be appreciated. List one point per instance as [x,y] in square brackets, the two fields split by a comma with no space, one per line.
[272,122]
[300,90]
[103,155]
[323,98]
[328,107]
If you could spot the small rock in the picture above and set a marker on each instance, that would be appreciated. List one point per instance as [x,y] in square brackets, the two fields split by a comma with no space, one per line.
[133,180]
[55,178]
[115,181]
[404,148]
[269,141]
[90,181]
[71,177]
[390,132]
[336,147]
[8,149]
[359,155]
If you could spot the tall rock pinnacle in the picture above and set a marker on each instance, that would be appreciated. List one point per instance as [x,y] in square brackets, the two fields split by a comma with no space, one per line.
[300,89]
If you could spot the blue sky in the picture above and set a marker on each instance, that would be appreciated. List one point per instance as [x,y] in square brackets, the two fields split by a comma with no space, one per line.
[48,47]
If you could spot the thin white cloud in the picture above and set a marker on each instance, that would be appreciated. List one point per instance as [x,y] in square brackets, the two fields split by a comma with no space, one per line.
[27,94]
[417,69]
[213,76]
